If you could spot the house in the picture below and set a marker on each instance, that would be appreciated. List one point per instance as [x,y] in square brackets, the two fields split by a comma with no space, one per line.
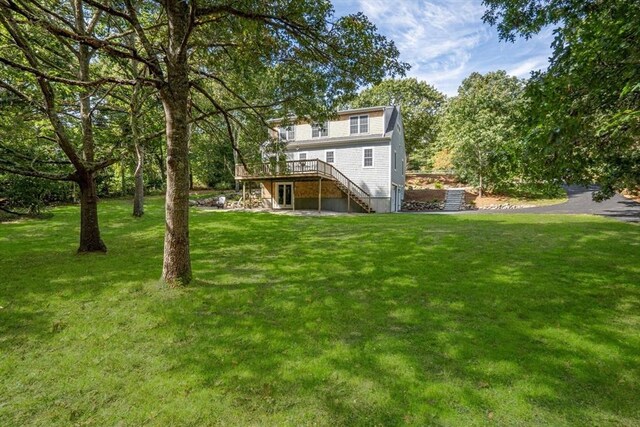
[353,163]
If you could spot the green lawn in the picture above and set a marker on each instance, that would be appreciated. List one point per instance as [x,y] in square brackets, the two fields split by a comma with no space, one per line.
[360,320]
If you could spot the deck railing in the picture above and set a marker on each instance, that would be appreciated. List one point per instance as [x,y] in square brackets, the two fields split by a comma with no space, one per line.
[297,168]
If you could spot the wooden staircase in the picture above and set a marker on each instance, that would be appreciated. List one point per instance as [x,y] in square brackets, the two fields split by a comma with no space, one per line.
[306,169]
[356,197]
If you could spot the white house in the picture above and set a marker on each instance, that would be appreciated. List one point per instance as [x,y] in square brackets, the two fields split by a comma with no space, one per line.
[355,162]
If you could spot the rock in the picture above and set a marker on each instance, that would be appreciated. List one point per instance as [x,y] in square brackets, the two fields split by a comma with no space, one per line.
[418,206]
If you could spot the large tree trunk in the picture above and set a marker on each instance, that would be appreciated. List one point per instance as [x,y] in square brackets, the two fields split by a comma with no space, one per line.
[176,268]
[90,240]
[177,264]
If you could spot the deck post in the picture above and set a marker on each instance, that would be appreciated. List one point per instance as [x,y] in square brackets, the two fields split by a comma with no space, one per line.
[244,201]
[320,195]
[348,196]
[293,196]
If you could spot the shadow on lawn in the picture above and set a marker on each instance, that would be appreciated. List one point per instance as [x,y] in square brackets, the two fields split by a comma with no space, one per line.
[41,267]
[367,325]
[378,319]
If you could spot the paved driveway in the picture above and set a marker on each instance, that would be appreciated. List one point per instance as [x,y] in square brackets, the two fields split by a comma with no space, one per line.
[581,202]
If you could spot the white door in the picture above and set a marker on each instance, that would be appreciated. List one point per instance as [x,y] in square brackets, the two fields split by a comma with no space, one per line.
[284,195]
[395,199]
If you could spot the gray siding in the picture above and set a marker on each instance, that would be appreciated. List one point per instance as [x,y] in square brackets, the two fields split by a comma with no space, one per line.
[349,161]
[398,171]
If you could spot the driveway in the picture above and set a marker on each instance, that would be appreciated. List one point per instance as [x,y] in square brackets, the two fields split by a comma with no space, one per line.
[581,202]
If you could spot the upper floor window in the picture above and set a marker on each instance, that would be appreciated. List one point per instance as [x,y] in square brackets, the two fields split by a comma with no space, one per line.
[367,157]
[320,130]
[395,160]
[287,133]
[330,156]
[359,124]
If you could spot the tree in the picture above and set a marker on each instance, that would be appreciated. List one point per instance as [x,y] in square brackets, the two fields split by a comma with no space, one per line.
[585,109]
[312,62]
[420,103]
[44,74]
[480,126]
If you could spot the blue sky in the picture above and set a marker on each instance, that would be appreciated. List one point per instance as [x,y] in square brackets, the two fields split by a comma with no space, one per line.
[445,41]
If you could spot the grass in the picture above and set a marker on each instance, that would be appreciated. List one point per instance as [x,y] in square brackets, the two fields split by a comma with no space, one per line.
[359,320]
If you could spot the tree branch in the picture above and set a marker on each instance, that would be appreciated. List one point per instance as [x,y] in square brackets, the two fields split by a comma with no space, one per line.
[71,82]
[47,91]
[20,94]
[38,174]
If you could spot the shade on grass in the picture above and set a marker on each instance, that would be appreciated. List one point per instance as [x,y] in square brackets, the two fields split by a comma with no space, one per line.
[369,319]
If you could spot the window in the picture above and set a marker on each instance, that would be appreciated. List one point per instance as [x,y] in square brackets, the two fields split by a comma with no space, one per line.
[302,156]
[329,156]
[367,158]
[395,160]
[358,124]
[287,133]
[320,130]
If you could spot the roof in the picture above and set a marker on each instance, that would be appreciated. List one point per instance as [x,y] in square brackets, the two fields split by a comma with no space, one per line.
[347,111]
[340,140]
[392,121]
[362,110]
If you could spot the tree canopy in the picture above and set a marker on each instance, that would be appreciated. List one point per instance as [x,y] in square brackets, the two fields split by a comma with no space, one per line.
[480,128]
[585,109]
[204,59]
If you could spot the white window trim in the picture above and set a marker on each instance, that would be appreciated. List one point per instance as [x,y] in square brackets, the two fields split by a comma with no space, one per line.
[306,155]
[359,116]
[319,135]
[373,154]
[286,133]
[334,156]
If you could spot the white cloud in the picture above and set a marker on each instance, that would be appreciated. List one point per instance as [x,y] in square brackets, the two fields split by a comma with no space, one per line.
[446,40]
[524,68]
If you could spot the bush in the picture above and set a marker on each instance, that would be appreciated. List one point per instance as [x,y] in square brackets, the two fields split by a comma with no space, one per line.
[223,186]
[33,194]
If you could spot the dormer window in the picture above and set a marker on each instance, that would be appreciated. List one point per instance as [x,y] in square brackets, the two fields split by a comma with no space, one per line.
[287,133]
[320,130]
[358,124]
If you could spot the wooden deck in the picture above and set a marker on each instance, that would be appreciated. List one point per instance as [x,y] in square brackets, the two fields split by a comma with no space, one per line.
[306,170]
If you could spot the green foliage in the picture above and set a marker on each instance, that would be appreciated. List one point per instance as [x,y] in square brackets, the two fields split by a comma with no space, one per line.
[211,159]
[33,194]
[420,104]
[480,126]
[264,59]
[449,320]
[585,109]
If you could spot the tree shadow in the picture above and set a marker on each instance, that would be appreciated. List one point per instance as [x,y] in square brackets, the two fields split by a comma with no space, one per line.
[370,324]
[381,319]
